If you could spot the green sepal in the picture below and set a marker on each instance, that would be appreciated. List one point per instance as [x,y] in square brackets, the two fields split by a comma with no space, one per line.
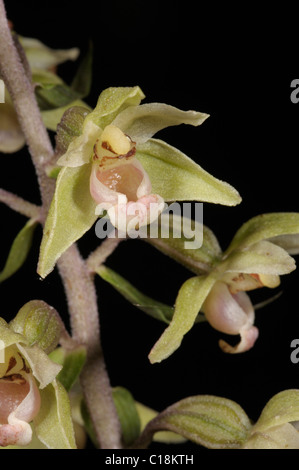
[19,250]
[214,422]
[42,57]
[53,424]
[262,257]
[198,260]
[189,301]
[176,177]
[112,101]
[43,369]
[152,307]
[263,227]
[8,336]
[281,409]
[39,323]
[278,437]
[127,414]
[71,214]
[72,362]
[274,430]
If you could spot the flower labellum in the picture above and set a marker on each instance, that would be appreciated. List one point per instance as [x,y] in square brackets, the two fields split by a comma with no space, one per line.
[231,314]
[19,399]
[119,183]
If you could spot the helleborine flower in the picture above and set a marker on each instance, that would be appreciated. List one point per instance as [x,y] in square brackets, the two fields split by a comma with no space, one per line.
[229,309]
[256,257]
[118,182]
[111,162]
[40,58]
[31,399]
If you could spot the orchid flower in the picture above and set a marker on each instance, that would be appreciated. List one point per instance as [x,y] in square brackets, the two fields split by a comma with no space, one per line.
[257,256]
[118,182]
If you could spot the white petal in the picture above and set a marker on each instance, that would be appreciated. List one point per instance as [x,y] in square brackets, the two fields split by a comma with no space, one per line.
[43,369]
[143,121]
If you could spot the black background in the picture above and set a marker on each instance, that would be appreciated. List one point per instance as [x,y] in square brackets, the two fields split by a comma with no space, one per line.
[237,65]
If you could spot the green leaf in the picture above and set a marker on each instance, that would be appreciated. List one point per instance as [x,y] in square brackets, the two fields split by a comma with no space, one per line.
[55,96]
[71,214]
[198,260]
[19,250]
[263,227]
[148,305]
[190,298]
[281,409]
[73,362]
[176,177]
[112,101]
[53,424]
[88,424]
[83,78]
[262,257]
[290,243]
[146,415]
[127,413]
[39,323]
[214,422]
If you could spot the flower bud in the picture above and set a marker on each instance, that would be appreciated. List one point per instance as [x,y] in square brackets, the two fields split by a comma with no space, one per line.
[39,323]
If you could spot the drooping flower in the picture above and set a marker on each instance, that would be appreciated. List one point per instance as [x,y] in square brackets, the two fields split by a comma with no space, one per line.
[229,309]
[257,256]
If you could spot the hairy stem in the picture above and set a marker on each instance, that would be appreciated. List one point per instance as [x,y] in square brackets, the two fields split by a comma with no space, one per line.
[76,278]
[20,205]
[82,303]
